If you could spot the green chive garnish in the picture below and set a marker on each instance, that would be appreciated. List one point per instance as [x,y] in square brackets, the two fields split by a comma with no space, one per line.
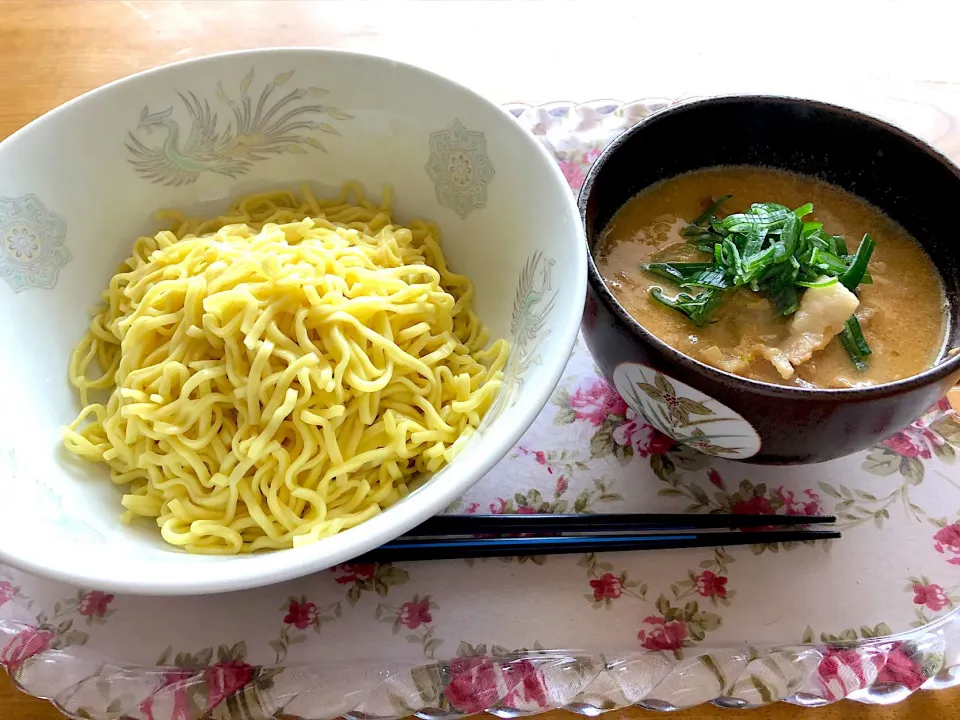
[772,251]
[711,211]
[696,307]
[851,337]
[858,267]
[856,332]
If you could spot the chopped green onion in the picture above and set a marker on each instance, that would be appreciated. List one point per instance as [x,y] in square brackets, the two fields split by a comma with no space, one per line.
[822,241]
[789,236]
[679,272]
[847,342]
[771,250]
[853,325]
[714,278]
[696,307]
[760,260]
[711,211]
[826,261]
[817,283]
[753,245]
[732,254]
[770,208]
[852,340]
[840,245]
[854,275]
[786,301]
[756,219]
[695,234]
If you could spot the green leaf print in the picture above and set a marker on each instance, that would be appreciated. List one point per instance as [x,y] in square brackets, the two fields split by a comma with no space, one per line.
[881,461]
[912,469]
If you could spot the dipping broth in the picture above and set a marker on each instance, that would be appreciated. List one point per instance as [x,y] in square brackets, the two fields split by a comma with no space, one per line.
[902,313]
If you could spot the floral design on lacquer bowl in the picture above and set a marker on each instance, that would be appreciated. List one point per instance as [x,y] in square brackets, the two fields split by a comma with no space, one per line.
[180,155]
[32,249]
[459,168]
[685,414]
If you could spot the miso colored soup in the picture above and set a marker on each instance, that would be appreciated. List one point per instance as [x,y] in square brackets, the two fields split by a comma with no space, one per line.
[899,309]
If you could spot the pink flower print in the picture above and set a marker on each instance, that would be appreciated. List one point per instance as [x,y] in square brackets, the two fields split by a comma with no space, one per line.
[753,506]
[539,455]
[931,596]
[948,540]
[708,584]
[901,667]
[572,173]
[807,504]
[842,672]
[301,615]
[913,442]
[178,680]
[715,479]
[607,587]
[664,636]
[590,157]
[561,486]
[473,684]
[94,604]
[180,709]
[526,682]
[7,593]
[415,614]
[645,439]
[526,510]
[597,402]
[224,679]
[575,168]
[472,508]
[355,572]
[25,644]
[499,507]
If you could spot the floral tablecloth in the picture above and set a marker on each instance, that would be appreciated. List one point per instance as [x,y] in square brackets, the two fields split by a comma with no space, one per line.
[868,617]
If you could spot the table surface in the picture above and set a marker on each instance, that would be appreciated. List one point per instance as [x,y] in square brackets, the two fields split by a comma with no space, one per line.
[511,52]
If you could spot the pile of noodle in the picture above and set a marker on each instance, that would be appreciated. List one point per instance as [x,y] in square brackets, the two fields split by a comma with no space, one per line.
[280,373]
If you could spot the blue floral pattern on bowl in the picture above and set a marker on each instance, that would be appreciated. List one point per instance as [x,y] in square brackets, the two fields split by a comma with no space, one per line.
[32,249]
[459,168]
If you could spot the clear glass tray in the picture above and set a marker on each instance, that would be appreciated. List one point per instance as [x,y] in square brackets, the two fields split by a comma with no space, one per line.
[868,618]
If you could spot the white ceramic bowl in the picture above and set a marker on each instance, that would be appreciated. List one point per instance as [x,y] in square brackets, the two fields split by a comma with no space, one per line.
[80,184]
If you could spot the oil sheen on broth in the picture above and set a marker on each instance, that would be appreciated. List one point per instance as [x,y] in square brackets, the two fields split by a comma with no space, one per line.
[902,313]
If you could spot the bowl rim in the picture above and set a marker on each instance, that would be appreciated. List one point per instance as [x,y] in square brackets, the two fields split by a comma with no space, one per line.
[239,572]
[673,356]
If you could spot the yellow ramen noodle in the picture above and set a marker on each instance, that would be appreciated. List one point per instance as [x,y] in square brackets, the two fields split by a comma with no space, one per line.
[280,373]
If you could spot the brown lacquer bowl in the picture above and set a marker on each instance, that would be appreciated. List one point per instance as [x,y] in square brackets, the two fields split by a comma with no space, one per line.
[746,419]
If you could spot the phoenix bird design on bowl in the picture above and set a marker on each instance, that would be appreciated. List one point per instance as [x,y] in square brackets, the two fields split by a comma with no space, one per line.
[260,127]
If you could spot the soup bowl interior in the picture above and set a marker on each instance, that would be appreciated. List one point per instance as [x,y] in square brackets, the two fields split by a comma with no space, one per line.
[79,185]
[894,171]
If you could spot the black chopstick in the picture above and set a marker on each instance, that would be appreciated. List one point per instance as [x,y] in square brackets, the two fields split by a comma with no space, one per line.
[445,525]
[409,550]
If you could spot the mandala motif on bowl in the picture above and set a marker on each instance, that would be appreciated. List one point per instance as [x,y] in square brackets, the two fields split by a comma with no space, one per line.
[459,168]
[32,243]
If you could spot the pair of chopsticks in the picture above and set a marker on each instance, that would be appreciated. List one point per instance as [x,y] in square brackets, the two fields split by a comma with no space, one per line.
[446,537]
